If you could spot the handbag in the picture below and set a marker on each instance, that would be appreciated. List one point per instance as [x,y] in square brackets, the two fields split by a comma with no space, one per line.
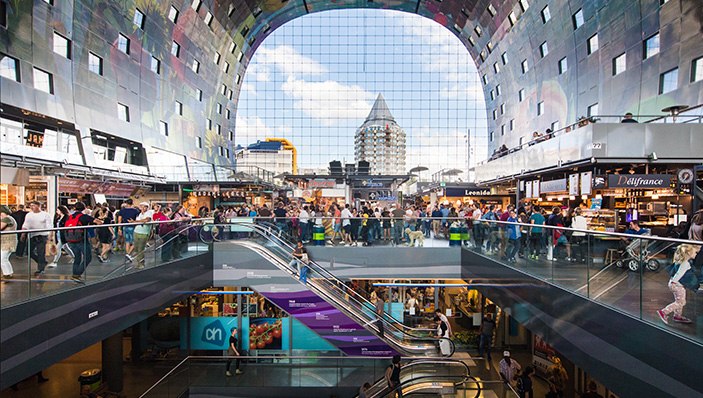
[51,248]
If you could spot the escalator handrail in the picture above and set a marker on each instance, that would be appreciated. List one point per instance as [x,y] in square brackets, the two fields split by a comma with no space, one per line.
[322,270]
[360,315]
[465,377]
[393,323]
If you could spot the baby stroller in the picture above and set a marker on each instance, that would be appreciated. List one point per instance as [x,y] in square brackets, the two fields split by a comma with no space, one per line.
[642,251]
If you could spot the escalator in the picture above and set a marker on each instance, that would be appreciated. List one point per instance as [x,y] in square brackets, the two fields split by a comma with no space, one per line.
[325,304]
[436,378]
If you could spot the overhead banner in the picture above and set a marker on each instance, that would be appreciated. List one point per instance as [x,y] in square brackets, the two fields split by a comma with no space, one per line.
[639,181]
[317,183]
[71,185]
[573,184]
[452,192]
[535,188]
[528,189]
[553,186]
[586,183]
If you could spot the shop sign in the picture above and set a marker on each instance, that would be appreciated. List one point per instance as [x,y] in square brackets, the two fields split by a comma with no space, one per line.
[453,192]
[317,183]
[371,184]
[382,195]
[573,184]
[35,139]
[599,182]
[71,185]
[639,181]
[535,188]
[553,186]
[586,182]
[542,353]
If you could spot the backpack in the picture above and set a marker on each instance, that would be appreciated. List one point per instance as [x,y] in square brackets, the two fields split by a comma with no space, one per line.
[520,386]
[74,235]
[688,280]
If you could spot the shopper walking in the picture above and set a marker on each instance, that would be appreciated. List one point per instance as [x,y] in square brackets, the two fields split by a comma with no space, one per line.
[536,233]
[127,214]
[180,244]
[231,352]
[557,377]
[8,242]
[105,234]
[19,216]
[682,277]
[60,219]
[485,331]
[82,254]
[166,233]
[524,383]
[393,376]
[141,232]
[508,369]
[513,233]
[37,219]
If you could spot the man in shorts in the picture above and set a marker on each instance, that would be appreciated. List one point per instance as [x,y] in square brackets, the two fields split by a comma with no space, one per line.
[126,214]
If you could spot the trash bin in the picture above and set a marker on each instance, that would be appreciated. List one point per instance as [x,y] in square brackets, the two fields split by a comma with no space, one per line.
[92,378]
[454,236]
[318,235]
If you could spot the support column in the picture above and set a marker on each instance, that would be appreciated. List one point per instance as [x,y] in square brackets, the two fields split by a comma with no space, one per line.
[112,362]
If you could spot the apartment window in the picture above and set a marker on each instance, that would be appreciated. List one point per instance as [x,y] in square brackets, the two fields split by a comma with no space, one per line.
[543,49]
[240,56]
[173,14]
[524,66]
[502,109]
[484,79]
[493,95]
[199,142]
[651,46]
[179,108]
[524,5]
[9,67]
[504,57]
[155,65]
[3,14]
[472,41]
[697,70]
[95,64]
[492,10]
[496,67]
[231,10]
[512,124]
[577,19]
[199,94]
[232,47]
[227,152]
[592,44]
[43,81]
[592,110]
[220,151]
[218,129]
[478,31]
[555,126]
[123,43]
[228,113]
[546,16]
[62,46]
[619,64]
[502,130]
[195,5]
[195,67]
[226,67]
[521,95]
[230,94]
[175,49]
[208,18]
[238,79]
[123,112]
[498,90]
[257,11]
[219,108]
[138,19]
[245,31]
[231,135]
[49,2]
[163,128]
[540,108]
[217,58]
[669,81]
[563,66]
[512,18]
[495,114]
[489,46]
[223,89]
[208,124]
[493,136]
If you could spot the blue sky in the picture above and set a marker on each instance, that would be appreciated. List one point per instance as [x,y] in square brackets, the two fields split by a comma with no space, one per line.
[314,81]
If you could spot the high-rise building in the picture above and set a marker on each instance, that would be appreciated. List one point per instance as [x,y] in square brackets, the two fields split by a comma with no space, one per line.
[380,141]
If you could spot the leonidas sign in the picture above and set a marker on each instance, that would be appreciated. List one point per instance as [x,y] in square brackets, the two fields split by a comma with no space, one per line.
[639,181]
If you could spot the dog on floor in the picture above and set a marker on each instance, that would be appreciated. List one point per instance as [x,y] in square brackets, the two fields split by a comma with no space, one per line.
[415,236]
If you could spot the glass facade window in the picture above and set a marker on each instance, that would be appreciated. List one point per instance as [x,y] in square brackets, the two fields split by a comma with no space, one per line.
[155,65]
[592,44]
[543,49]
[555,126]
[123,43]
[651,46]
[123,112]
[230,94]
[669,81]
[223,89]
[697,70]
[163,128]
[496,68]
[3,14]
[195,66]
[175,49]
[492,10]
[592,110]
[43,81]
[208,124]
[524,5]
[173,14]
[489,46]
[231,135]
[238,79]
[502,130]
[208,18]
[232,47]
[198,94]
[95,63]
[228,113]
[493,95]
[493,136]
[230,11]
[498,91]
[9,67]
[619,64]
[512,124]
[218,129]
[540,108]
[179,108]
[217,58]
[563,66]
[521,95]
[478,31]
[219,108]
[546,15]
[226,67]
[484,79]
[240,56]
[502,109]
[512,18]
[221,151]
[138,19]
[524,66]
[195,5]
[198,142]
[472,41]
[577,19]
[495,114]
[62,46]
[504,57]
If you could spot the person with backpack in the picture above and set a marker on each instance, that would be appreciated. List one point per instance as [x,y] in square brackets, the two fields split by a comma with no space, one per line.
[682,277]
[524,383]
[76,239]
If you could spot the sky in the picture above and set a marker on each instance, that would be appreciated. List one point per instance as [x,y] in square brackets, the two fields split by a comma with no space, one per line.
[314,80]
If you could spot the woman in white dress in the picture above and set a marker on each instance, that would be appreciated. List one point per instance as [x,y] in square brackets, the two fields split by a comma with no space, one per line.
[443,331]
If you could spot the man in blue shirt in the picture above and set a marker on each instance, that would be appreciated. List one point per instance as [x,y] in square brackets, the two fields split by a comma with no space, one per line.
[513,233]
[445,224]
[536,233]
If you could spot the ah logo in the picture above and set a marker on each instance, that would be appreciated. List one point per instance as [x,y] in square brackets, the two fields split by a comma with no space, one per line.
[214,333]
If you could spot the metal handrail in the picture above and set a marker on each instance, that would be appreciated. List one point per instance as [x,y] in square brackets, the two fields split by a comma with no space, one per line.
[31,231]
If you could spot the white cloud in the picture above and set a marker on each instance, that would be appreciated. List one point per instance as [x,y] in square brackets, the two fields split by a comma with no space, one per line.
[284,129]
[289,61]
[249,130]
[249,88]
[329,101]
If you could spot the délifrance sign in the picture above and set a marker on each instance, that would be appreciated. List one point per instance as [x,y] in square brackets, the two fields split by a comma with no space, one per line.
[639,181]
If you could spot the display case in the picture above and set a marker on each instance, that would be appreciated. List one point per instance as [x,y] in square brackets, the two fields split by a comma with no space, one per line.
[601,220]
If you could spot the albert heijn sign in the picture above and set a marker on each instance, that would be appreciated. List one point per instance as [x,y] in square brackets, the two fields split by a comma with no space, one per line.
[639,181]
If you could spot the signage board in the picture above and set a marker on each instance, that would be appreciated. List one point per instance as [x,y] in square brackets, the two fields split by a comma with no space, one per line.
[535,188]
[528,190]
[319,183]
[453,192]
[573,184]
[586,183]
[71,185]
[382,195]
[639,181]
[35,139]
[371,184]
[553,186]
[599,182]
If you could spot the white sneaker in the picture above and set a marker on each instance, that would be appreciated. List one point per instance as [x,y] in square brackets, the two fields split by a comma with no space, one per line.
[228,373]
[52,265]
[238,372]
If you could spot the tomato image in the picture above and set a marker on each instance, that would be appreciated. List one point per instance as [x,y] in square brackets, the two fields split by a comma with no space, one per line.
[277,333]
[260,329]
[260,344]
[268,338]
[252,345]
